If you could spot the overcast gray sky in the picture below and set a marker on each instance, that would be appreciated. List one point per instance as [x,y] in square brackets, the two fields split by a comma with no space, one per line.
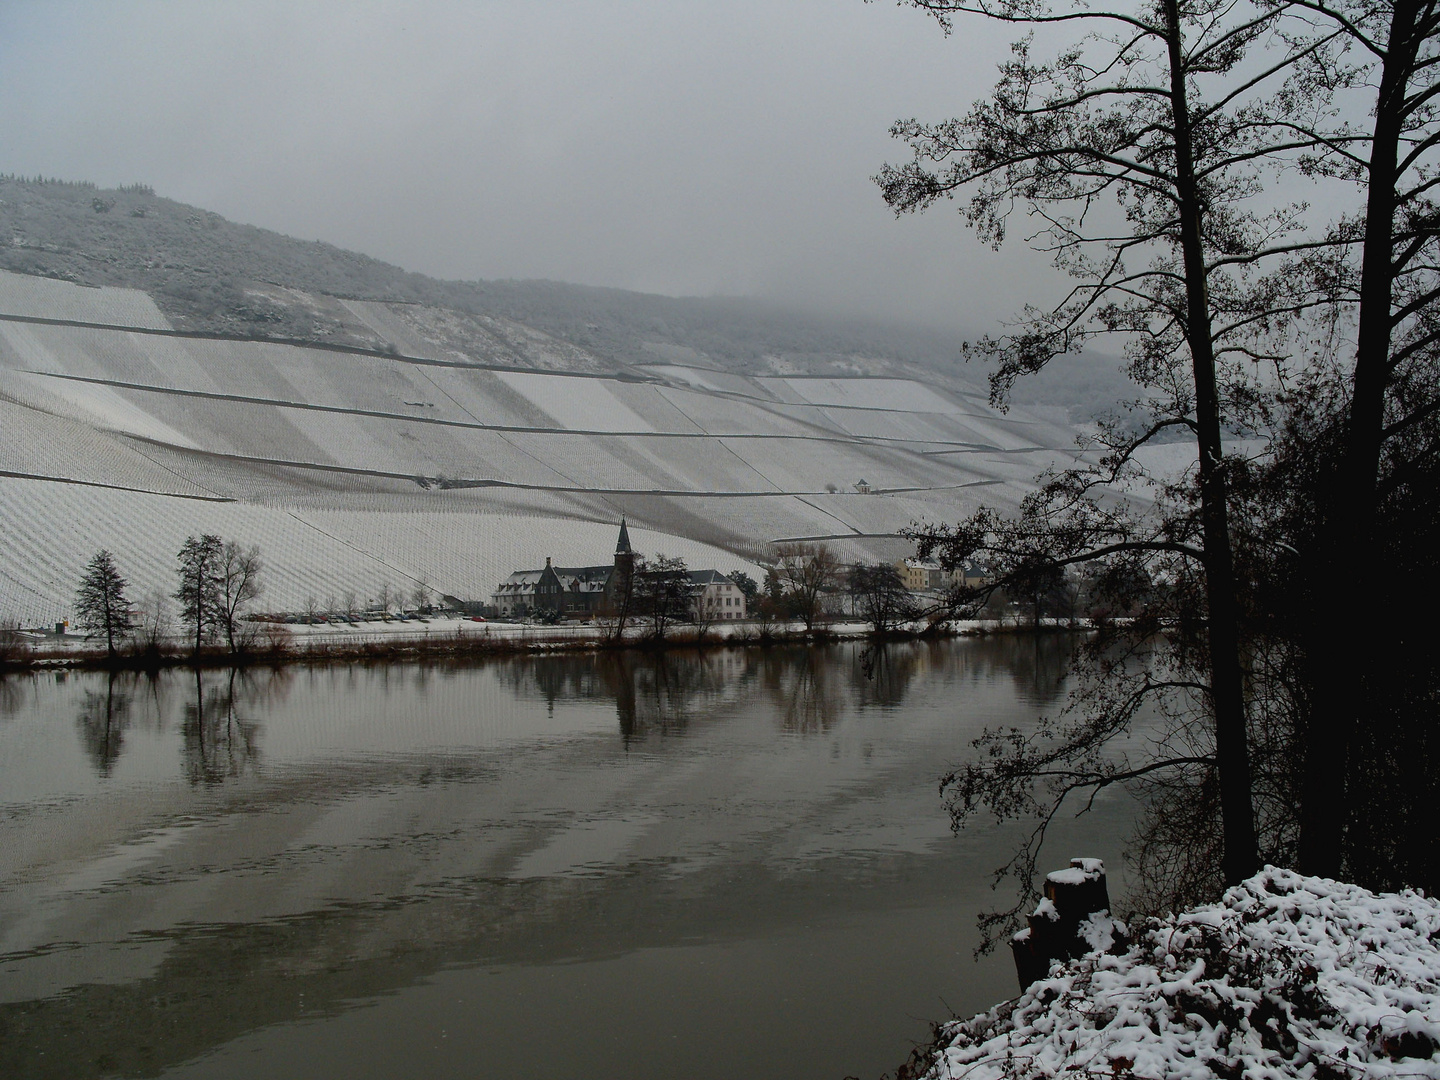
[662,145]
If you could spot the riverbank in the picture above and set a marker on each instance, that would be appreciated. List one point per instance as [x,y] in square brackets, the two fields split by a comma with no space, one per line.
[1287,976]
[454,638]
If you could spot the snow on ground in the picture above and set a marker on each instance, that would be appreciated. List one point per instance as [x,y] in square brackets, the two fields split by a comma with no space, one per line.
[52,529]
[45,298]
[1286,976]
[896,395]
[583,404]
[293,433]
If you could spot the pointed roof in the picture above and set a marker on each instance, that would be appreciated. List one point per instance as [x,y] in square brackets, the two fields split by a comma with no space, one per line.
[622,546]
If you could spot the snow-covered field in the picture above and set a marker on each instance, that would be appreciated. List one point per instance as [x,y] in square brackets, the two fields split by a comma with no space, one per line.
[305,451]
[1286,976]
[44,298]
[52,529]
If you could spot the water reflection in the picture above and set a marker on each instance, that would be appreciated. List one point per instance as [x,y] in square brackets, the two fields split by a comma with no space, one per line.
[220,743]
[1038,664]
[804,684]
[883,673]
[654,694]
[12,694]
[317,845]
[103,718]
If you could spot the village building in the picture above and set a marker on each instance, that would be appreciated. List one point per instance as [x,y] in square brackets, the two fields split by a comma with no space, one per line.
[923,575]
[574,592]
[714,597]
[970,576]
[583,592]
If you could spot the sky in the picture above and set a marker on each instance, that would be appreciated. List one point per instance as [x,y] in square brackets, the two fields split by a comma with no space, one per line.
[667,146]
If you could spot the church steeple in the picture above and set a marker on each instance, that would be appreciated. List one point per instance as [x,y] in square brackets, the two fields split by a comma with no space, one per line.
[622,546]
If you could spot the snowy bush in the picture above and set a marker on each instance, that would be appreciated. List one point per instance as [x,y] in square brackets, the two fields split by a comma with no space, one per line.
[1287,976]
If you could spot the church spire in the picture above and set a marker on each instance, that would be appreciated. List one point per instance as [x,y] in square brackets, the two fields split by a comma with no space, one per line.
[622,546]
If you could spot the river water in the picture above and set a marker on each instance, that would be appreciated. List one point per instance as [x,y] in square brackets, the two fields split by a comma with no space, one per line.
[728,864]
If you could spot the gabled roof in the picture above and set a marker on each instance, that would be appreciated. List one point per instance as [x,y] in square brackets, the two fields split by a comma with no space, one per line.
[708,577]
[522,577]
[584,578]
[572,578]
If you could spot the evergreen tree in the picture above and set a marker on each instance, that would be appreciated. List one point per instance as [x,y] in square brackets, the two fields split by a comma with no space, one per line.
[200,585]
[100,602]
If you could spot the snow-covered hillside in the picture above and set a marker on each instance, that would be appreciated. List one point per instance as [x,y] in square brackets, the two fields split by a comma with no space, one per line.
[420,460]
[1287,976]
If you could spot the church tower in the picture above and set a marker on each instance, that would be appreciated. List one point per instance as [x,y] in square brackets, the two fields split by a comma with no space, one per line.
[624,556]
[617,589]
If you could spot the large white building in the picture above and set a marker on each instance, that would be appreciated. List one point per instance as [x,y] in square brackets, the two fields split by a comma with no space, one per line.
[714,597]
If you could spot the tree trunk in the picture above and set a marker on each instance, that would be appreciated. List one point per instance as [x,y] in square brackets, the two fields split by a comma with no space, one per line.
[1342,663]
[109,642]
[1232,753]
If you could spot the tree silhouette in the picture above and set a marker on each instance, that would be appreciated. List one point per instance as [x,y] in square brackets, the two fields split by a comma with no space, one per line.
[100,602]
[199,593]
[238,582]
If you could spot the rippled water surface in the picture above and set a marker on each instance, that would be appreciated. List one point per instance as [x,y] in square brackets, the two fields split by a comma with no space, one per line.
[729,864]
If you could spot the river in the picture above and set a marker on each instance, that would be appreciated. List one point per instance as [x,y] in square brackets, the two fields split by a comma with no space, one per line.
[732,863]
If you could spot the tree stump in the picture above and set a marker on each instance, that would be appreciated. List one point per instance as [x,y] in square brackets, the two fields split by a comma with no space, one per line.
[1054,932]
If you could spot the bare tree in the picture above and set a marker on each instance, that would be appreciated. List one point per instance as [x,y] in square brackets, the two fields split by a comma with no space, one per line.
[100,602]
[420,596]
[806,573]
[239,573]
[880,596]
[703,613]
[1178,112]
[154,621]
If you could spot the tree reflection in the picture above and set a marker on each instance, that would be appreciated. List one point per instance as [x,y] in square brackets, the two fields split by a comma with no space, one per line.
[574,676]
[805,686]
[662,692]
[12,693]
[219,744]
[1039,665]
[665,691]
[103,719]
[884,671]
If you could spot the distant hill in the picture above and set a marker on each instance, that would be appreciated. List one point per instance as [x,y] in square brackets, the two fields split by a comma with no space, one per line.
[208,273]
[165,372]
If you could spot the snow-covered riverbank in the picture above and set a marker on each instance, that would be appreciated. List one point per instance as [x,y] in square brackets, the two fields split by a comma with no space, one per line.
[1287,976]
[439,636]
